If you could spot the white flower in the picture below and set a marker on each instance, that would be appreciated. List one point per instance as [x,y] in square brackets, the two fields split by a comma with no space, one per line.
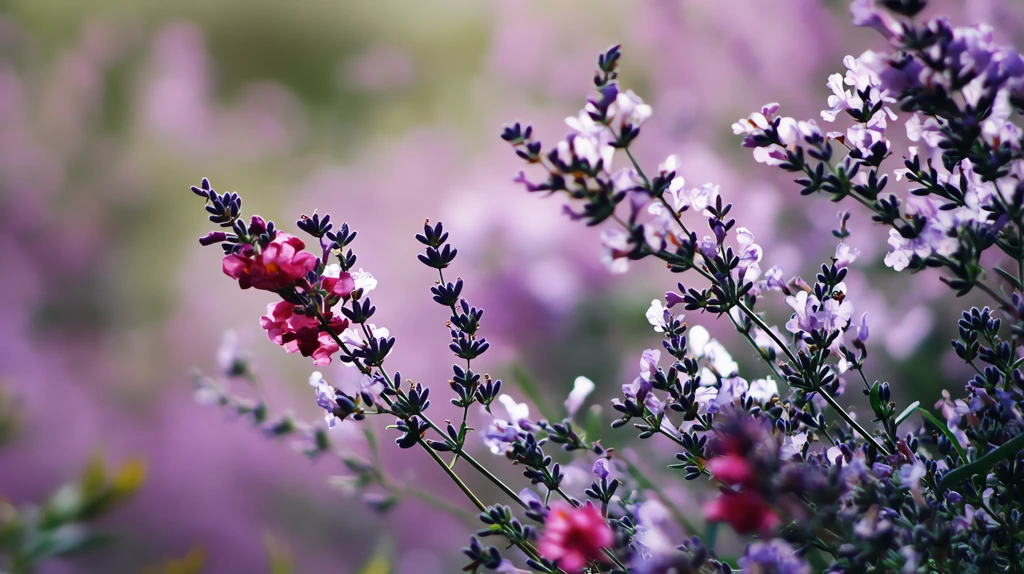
[584,125]
[833,454]
[518,413]
[703,196]
[756,121]
[581,389]
[670,164]
[732,390]
[315,379]
[656,315]
[706,399]
[354,337]
[765,342]
[363,280]
[507,567]
[762,390]
[228,359]
[720,360]
[697,338]
[629,109]
[332,270]
[792,446]
[209,393]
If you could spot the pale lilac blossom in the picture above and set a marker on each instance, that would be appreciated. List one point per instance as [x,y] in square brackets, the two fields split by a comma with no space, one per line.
[581,389]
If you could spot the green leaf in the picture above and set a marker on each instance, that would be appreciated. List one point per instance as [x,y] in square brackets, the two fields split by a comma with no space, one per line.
[529,386]
[980,467]
[711,534]
[380,562]
[94,478]
[876,401]
[592,425]
[191,563]
[945,430]
[280,555]
[129,478]
[907,412]
[1010,278]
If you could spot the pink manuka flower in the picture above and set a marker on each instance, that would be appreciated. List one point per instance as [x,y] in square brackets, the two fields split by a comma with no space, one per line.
[745,511]
[279,265]
[574,536]
[301,333]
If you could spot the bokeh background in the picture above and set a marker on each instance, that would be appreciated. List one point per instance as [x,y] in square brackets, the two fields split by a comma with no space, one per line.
[383,114]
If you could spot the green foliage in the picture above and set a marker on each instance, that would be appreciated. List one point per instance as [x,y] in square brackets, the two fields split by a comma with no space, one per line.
[31,534]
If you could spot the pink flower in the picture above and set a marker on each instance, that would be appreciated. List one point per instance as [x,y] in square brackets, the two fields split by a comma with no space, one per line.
[745,511]
[575,536]
[279,265]
[732,469]
[301,333]
[341,286]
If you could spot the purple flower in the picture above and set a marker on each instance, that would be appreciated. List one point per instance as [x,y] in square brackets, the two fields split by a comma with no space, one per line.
[499,435]
[326,397]
[865,13]
[649,363]
[845,255]
[775,557]
[658,316]
[616,250]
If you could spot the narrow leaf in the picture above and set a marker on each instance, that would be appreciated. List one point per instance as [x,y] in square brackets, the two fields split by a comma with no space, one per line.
[945,430]
[529,386]
[907,412]
[980,467]
[1010,278]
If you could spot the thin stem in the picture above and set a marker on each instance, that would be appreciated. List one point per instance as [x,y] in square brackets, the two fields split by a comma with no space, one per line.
[824,394]
[455,478]
[255,381]
[760,351]
[661,198]
[526,547]
[1003,302]
[479,467]
[674,510]
[465,410]
[850,420]
[1020,247]
[441,504]
[754,318]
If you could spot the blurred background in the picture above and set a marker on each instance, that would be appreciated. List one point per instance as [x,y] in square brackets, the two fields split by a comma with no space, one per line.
[383,114]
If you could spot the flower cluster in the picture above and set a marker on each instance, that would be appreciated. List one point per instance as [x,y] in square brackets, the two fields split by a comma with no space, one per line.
[817,487]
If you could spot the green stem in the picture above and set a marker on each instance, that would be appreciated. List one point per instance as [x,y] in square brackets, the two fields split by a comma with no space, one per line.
[526,547]
[754,318]
[674,510]
[661,197]
[850,421]
[465,410]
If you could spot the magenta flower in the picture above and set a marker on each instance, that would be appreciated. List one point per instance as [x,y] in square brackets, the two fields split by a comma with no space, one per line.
[731,469]
[301,333]
[279,265]
[746,512]
[574,536]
